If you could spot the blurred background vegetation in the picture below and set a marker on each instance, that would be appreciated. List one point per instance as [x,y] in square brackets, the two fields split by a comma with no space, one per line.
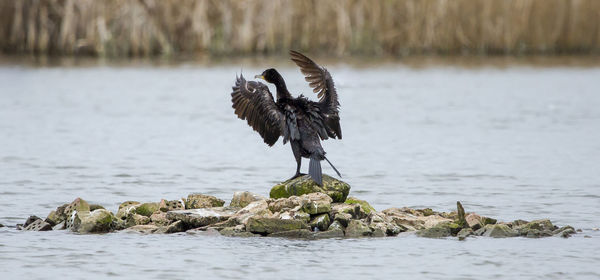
[121,28]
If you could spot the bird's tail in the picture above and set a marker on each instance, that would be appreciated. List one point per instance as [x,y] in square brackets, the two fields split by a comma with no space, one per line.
[314,170]
[336,171]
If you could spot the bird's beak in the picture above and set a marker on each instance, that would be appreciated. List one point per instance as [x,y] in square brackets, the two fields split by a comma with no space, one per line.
[259,77]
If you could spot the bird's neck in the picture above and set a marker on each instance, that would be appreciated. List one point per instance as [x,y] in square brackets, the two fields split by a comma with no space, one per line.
[282,91]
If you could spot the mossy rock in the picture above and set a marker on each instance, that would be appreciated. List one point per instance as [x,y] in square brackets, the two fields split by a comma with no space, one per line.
[99,220]
[272,225]
[336,189]
[365,205]
[146,209]
[441,230]
[197,200]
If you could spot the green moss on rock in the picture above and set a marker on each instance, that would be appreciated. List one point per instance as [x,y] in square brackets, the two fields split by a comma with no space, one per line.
[146,209]
[365,205]
[336,189]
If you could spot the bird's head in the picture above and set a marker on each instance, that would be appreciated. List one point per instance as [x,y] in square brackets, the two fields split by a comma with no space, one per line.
[270,75]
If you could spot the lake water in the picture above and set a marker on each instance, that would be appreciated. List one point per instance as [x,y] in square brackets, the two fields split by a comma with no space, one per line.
[511,142]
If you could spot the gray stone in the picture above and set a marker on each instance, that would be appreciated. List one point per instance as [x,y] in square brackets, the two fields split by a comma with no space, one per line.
[473,221]
[439,231]
[197,200]
[464,233]
[343,218]
[357,228]
[159,218]
[237,231]
[146,209]
[99,220]
[336,225]
[193,218]
[242,199]
[565,231]
[272,225]
[134,219]
[125,208]
[499,231]
[143,229]
[170,205]
[366,207]
[332,233]
[320,222]
[38,225]
[316,203]
[255,209]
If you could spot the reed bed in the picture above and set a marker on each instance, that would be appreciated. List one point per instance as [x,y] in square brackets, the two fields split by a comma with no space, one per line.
[222,27]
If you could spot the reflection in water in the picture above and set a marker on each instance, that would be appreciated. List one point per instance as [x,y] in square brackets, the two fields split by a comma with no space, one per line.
[515,142]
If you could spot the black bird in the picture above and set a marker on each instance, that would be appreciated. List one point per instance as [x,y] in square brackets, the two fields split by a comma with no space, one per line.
[302,122]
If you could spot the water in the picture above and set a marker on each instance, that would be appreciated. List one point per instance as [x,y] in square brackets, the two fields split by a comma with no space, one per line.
[508,142]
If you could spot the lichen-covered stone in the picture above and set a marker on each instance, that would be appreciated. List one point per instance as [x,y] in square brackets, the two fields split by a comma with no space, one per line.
[316,203]
[258,208]
[202,216]
[196,200]
[363,204]
[473,221]
[320,222]
[57,216]
[78,205]
[170,205]
[36,224]
[497,231]
[354,210]
[134,219]
[334,188]
[125,208]
[357,228]
[159,218]
[177,226]
[272,225]
[565,231]
[295,233]
[460,212]
[99,220]
[331,233]
[242,199]
[96,207]
[438,231]
[414,220]
[292,203]
[464,233]
[336,225]
[342,218]
[296,215]
[382,225]
[146,209]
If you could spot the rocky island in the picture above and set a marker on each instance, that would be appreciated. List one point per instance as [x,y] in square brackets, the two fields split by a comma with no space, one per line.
[297,208]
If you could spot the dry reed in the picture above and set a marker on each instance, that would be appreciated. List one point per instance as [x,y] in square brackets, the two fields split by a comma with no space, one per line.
[397,27]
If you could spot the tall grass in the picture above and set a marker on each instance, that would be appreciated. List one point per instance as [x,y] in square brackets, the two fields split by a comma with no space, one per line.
[149,27]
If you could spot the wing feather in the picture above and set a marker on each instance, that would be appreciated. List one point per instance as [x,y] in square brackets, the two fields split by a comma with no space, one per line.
[322,84]
[253,102]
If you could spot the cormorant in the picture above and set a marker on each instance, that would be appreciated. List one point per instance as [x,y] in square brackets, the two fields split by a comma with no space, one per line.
[298,120]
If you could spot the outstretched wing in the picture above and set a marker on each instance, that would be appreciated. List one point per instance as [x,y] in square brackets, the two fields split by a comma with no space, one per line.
[254,103]
[322,83]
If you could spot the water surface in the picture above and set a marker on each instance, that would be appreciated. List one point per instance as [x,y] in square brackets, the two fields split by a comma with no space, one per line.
[509,142]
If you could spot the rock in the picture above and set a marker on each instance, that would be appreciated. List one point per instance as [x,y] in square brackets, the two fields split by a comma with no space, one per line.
[464,233]
[460,211]
[177,226]
[336,225]
[363,204]
[134,219]
[143,229]
[1,225]
[60,226]
[473,221]
[497,231]
[35,223]
[357,228]
[99,220]
[438,231]
[565,231]
[159,219]
[518,223]
[383,225]
[316,203]
[293,203]
[237,231]
[96,207]
[272,225]
[125,208]
[332,233]
[295,215]
[78,205]
[537,228]
[343,218]
[414,220]
[334,188]
[170,205]
[295,233]
[320,222]
[488,221]
[355,210]
[196,200]
[255,209]
[146,209]
[57,216]
[199,217]
[242,199]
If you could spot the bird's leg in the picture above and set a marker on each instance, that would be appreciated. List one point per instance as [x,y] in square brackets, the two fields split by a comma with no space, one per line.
[296,150]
